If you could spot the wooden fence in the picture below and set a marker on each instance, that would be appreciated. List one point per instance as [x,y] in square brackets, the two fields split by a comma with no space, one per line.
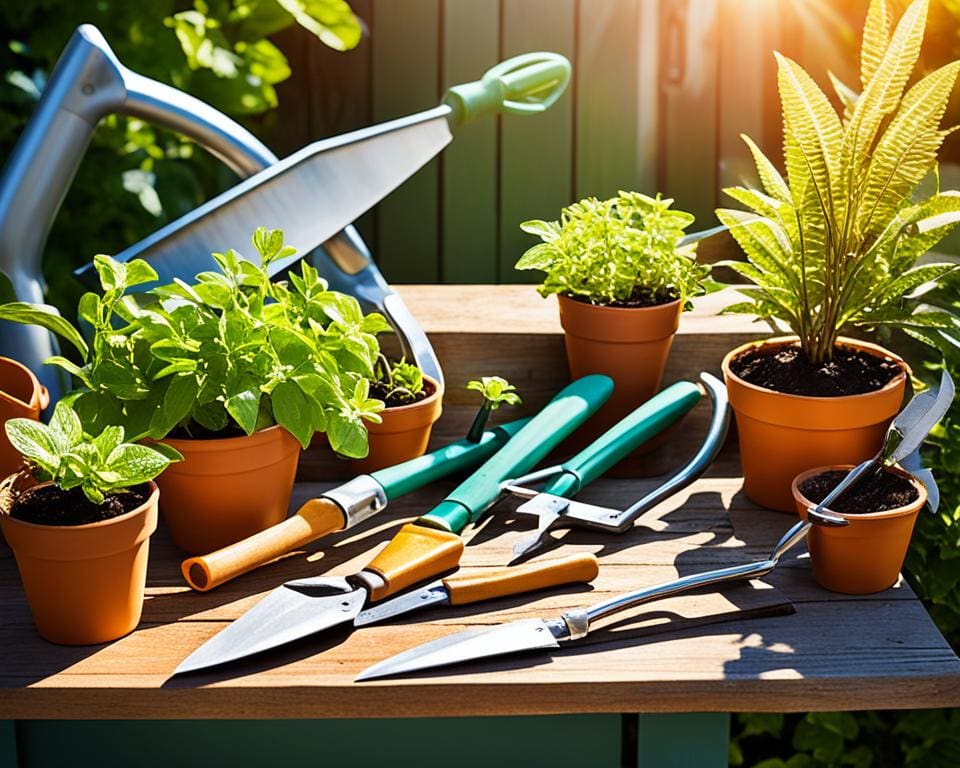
[662,90]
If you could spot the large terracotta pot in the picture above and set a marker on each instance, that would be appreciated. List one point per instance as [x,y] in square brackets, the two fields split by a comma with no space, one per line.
[630,345]
[84,583]
[783,435]
[866,555]
[403,434]
[227,489]
[21,397]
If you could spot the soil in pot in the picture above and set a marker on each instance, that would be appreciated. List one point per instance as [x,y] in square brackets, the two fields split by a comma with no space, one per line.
[865,555]
[835,414]
[789,370]
[84,581]
[381,391]
[403,433]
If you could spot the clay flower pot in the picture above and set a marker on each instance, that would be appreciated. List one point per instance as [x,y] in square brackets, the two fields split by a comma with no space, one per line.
[867,555]
[630,345]
[782,435]
[404,432]
[21,397]
[227,489]
[84,583]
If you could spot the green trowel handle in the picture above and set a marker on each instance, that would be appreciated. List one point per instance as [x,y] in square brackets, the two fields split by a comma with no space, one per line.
[569,408]
[410,475]
[522,85]
[650,419]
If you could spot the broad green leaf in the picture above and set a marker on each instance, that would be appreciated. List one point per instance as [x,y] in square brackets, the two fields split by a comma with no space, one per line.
[243,407]
[347,436]
[331,21]
[65,427]
[292,411]
[139,272]
[107,441]
[113,274]
[70,367]
[177,403]
[135,464]
[35,442]
[46,317]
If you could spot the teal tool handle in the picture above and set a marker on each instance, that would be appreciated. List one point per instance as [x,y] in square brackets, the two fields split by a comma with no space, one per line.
[410,475]
[522,85]
[650,419]
[569,408]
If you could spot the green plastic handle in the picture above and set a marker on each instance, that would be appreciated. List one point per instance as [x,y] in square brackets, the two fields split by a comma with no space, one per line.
[650,419]
[408,476]
[569,408]
[523,85]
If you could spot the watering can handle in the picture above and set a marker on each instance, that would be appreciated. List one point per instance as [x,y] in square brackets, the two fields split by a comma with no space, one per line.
[523,85]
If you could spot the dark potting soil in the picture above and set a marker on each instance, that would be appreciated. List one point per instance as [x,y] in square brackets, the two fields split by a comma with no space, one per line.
[49,505]
[379,391]
[789,370]
[196,432]
[876,493]
[639,298]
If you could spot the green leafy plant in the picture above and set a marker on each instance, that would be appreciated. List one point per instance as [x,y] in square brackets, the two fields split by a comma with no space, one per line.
[496,391]
[232,353]
[836,242]
[60,451]
[619,251]
[398,383]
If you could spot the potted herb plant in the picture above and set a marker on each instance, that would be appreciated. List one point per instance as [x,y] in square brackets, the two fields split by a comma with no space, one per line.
[834,245]
[865,555]
[79,522]
[412,404]
[622,281]
[21,396]
[235,371]
[496,391]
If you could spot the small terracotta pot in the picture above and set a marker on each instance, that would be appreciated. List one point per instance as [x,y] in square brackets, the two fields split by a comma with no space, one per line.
[630,345]
[21,397]
[867,555]
[403,434]
[227,489]
[783,435]
[84,583]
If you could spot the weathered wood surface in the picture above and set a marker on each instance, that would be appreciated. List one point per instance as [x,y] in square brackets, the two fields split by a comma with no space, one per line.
[833,653]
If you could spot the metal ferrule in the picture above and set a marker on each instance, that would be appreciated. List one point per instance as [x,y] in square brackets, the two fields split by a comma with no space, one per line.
[360,498]
[578,623]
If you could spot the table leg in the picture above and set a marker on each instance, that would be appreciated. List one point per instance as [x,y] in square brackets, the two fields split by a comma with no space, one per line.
[683,740]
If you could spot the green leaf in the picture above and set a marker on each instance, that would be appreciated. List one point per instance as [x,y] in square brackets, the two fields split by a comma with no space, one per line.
[332,21]
[35,442]
[135,464]
[347,435]
[46,317]
[113,274]
[70,367]
[243,407]
[876,38]
[65,427]
[178,401]
[291,408]
[108,441]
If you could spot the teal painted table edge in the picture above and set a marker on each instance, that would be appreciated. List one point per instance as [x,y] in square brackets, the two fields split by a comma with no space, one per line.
[531,741]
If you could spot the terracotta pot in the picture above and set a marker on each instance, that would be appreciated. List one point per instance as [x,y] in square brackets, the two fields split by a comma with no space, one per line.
[783,435]
[227,489]
[21,397]
[84,583]
[867,555]
[403,434]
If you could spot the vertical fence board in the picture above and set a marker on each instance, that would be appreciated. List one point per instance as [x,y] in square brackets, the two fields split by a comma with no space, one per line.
[536,151]
[648,97]
[405,70]
[468,167]
[688,99]
[607,90]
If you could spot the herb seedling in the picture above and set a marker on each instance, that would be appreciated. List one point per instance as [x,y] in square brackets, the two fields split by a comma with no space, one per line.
[496,391]
[399,383]
[835,242]
[60,451]
[623,251]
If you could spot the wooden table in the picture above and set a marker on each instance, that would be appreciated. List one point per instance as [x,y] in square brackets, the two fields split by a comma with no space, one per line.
[579,706]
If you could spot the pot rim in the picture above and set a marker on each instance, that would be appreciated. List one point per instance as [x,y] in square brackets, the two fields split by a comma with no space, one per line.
[152,499]
[653,307]
[219,443]
[908,509]
[428,400]
[39,392]
[846,341]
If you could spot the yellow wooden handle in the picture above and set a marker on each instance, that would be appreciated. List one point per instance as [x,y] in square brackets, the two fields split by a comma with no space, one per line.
[316,518]
[414,554]
[474,587]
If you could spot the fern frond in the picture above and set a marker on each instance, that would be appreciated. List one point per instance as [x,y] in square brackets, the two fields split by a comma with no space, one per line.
[848,97]
[876,38]
[770,177]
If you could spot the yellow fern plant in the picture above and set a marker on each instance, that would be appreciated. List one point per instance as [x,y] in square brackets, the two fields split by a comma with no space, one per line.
[835,242]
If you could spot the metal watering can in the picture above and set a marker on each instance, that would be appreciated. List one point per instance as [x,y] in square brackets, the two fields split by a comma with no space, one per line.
[313,195]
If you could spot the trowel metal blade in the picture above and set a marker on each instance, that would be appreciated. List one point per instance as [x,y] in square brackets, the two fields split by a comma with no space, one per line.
[292,611]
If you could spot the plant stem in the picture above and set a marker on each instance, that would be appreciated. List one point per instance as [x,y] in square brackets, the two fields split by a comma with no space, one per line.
[479,423]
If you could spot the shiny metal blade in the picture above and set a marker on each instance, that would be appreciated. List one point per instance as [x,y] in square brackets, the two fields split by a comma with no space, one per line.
[432,594]
[914,465]
[292,611]
[523,635]
[311,196]
[920,416]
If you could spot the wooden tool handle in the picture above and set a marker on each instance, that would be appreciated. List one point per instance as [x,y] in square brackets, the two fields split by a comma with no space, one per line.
[474,587]
[414,554]
[316,518]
